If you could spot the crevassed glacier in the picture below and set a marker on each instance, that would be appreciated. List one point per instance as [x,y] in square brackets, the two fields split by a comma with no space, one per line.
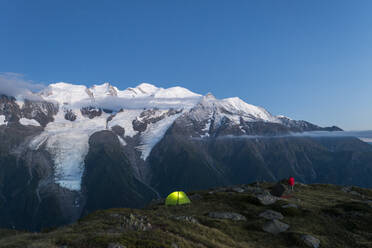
[68,143]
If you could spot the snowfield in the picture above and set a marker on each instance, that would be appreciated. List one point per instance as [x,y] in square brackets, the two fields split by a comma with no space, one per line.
[29,122]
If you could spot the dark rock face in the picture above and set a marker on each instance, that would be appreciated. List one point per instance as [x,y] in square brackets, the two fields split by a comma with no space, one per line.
[9,108]
[69,115]
[145,118]
[107,111]
[91,112]
[41,111]
[304,126]
[118,130]
[264,128]
[108,179]
[150,116]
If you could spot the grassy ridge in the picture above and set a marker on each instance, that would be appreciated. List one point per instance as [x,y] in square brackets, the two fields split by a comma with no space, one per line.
[337,218]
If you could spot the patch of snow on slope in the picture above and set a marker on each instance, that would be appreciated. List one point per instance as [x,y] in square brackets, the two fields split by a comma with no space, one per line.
[122,141]
[38,141]
[2,120]
[68,143]
[125,120]
[206,129]
[154,133]
[29,122]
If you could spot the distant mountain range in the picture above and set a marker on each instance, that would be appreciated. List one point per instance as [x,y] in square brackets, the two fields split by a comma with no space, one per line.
[73,149]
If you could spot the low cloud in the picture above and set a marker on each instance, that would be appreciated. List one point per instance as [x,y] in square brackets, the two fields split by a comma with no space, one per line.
[14,84]
[363,135]
[366,136]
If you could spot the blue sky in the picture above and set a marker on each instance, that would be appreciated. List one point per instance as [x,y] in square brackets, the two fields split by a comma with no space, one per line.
[308,60]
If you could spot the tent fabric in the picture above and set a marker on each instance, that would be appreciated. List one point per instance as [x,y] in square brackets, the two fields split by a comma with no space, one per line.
[177,198]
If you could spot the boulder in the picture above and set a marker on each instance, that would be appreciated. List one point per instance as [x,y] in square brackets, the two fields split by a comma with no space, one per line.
[275,227]
[195,197]
[266,199]
[278,190]
[238,189]
[227,215]
[187,219]
[290,205]
[356,193]
[254,190]
[174,245]
[116,245]
[271,215]
[310,241]
[368,202]
[346,189]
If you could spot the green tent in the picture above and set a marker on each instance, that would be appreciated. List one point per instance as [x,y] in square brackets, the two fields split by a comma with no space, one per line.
[177,198]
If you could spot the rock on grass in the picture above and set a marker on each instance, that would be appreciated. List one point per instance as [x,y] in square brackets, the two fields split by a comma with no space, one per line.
[275,227]
[310,241]
[271,215]
[227,215]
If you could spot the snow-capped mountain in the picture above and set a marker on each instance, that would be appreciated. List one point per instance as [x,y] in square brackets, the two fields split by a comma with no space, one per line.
[81,148]
[145,113]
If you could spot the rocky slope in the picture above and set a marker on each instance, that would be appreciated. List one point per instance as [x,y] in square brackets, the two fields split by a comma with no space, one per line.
[318,215]
[73,149]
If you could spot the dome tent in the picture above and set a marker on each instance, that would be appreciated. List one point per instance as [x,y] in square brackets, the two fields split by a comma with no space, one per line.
[177,198]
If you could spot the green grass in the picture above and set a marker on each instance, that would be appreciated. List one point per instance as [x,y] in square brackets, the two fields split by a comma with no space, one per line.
[337,218]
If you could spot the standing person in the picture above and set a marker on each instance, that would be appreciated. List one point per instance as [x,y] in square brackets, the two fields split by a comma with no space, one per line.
[291,182]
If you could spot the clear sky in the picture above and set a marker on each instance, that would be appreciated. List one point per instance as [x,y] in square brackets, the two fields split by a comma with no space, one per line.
[307,59]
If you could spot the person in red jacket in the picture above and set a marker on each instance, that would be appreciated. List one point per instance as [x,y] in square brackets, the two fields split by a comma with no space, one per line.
[291,182]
